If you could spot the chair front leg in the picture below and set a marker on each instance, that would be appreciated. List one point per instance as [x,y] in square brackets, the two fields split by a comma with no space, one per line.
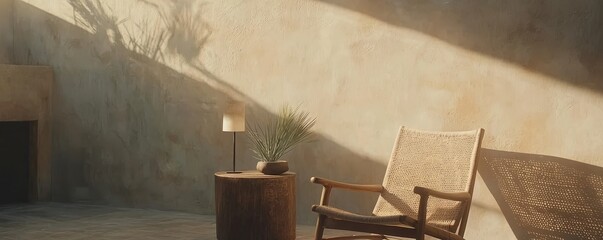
[320,223]
[320,227]
[422,217]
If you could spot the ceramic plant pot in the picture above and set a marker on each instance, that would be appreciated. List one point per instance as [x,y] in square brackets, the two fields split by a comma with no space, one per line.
[272,168]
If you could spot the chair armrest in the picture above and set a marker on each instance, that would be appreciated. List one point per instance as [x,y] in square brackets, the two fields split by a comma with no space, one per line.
[454,196]
[425,193]
[334,184]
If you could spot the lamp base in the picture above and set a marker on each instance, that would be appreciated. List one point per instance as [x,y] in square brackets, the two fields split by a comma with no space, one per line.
[233,172]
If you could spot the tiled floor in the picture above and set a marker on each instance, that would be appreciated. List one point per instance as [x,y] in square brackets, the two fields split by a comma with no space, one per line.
[77,221]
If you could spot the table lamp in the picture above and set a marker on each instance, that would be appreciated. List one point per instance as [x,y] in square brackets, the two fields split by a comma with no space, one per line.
[234,121]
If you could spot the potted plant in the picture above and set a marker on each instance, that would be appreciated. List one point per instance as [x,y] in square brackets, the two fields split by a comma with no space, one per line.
[275,138]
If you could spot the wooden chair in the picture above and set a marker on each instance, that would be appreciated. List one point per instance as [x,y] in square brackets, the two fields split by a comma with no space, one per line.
[427,189]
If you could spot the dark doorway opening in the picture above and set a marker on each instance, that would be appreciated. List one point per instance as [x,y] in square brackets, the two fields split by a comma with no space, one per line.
[17,161]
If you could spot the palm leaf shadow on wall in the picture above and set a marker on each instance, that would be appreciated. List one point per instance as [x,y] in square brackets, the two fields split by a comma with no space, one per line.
[545,197]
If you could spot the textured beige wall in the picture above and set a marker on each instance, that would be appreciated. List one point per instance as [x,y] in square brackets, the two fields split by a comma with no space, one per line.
[141,85]
[6,31]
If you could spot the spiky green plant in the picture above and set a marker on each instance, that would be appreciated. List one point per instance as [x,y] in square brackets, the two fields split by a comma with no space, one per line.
[272,140]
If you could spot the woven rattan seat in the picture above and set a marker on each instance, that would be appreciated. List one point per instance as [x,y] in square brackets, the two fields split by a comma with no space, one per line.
[427,188]
[342,214]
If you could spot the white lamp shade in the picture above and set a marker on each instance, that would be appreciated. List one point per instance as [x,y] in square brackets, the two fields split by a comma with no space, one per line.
[234,117]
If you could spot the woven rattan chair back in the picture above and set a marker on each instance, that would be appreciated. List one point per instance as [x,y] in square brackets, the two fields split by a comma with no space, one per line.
[444,161]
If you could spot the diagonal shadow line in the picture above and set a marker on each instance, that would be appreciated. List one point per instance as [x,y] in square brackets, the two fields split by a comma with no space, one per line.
[561,39]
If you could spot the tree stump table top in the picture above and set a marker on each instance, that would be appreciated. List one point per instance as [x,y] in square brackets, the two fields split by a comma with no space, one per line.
[252,174]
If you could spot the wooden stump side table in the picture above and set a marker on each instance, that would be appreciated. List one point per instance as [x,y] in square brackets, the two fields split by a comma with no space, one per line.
[251,205]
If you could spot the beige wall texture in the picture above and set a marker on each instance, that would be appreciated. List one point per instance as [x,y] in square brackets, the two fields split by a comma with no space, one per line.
[141,85]
[6,31]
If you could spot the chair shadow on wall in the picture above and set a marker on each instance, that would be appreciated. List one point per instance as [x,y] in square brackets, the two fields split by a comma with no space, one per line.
[545,197]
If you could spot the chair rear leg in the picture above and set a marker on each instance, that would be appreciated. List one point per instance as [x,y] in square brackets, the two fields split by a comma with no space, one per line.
[320,228]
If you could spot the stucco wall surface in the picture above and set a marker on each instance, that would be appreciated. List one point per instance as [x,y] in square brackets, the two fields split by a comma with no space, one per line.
[140,86]
[6,30]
